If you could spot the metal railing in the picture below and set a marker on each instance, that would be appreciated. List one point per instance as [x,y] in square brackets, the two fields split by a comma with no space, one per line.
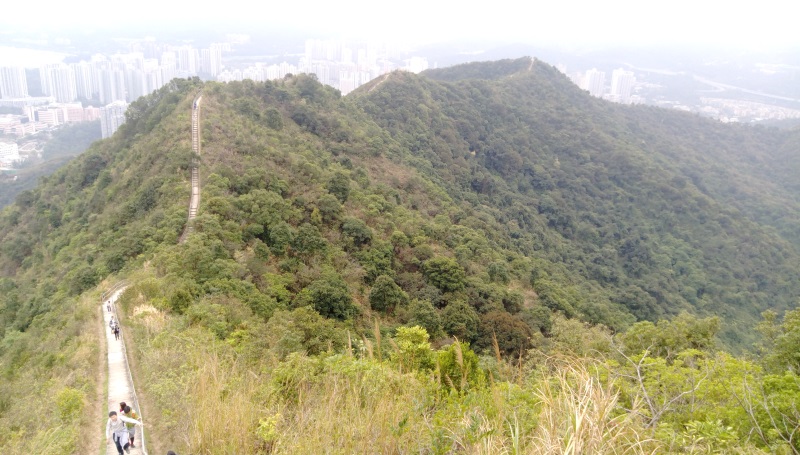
[120,287]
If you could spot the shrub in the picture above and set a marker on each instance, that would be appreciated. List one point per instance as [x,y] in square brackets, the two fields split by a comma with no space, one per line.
[512,334]
[301,330]
[330,297]
[460,320]
[425,315]
[339,186]
[413,349]
[445,274]
[386,295]
[69,402]
[458,366]
[357,230]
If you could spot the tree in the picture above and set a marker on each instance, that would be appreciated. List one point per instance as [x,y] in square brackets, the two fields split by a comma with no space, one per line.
[309,240]
[460,320]
[422,313]
[782,342]
[339,186]
[377,260]
[281,236]
[413,349]
[669,337]
[512,334]
[444,273]
[386,295]
[330,297]
[329,207]
[357,230]
[498,272]
[274,119]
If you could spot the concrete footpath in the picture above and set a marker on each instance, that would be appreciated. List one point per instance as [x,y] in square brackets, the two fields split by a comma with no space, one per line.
[119,379]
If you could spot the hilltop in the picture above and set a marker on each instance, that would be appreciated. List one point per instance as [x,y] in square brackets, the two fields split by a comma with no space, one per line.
[491,202]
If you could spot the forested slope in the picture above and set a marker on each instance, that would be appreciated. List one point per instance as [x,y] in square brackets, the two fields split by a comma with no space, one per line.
[664,211]
[346,241]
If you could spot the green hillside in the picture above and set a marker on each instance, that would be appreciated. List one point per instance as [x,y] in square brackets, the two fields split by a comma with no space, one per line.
[343,242]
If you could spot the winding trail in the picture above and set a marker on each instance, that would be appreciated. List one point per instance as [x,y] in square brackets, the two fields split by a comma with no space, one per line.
[120,381]
[194,200]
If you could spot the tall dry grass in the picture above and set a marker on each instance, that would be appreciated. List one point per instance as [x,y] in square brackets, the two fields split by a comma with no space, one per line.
[221,414]
[579,415]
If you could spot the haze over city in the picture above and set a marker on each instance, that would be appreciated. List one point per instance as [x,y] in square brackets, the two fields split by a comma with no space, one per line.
[765,26]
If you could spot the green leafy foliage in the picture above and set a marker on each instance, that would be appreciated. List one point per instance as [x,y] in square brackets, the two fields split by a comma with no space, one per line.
[444,273]
[386,295]
[330,297]
[461,321]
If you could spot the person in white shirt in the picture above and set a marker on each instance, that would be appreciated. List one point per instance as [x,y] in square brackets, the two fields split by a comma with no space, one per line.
[116,429]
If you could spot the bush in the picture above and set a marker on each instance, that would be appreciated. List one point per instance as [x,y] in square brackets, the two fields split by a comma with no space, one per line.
[513,335]
[330,297]
[444,273]
[339,186]
[422,313]
[301,330]
[538,318]
[179,300]
[461,321]
[386,295]
[458,366]
[413,349]
[357,230]
[69,402]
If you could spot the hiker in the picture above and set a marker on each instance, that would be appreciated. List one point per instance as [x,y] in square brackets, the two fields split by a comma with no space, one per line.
[116,331]
[116,429]
[129,412]
[108,306]
[111,323]
[171,453]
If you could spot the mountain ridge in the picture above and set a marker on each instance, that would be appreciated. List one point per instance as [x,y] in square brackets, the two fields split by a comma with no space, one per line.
[491,209]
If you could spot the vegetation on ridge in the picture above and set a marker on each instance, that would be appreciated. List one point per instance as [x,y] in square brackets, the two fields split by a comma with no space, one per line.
[344,244]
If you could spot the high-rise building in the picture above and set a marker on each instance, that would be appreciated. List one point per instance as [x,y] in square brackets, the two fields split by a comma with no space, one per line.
[595,82]
[135,84]
[84,79]
[621,85]
[9,153]
[13,83]
[187,58]
[111,117]
[58,80]
[215,57]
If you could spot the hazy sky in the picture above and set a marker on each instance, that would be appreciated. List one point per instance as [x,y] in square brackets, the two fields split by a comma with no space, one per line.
[764,24]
